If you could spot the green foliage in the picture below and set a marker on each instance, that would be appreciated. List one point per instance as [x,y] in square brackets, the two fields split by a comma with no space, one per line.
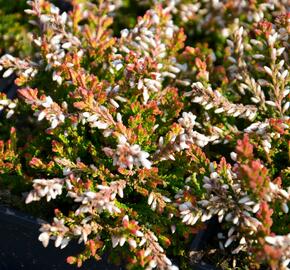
[141,135]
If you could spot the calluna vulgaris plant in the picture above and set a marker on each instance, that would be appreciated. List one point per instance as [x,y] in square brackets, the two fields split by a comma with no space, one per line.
[149,137]
[14,37]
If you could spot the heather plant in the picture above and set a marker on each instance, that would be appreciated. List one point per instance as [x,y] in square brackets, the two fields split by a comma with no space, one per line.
[148,134]
[14,34]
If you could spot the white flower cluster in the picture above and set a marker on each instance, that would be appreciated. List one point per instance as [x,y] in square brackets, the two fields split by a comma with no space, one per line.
[186,137]
[8,104]
[280,194]
[238,211]
[91,202]
[188,11]
[121,239]
[49,188]
[159,259]
[149,242]
[210,99]
[281,243]
[187,120]
[57,231]
[103,200]
[63,234]
[146,40]
[188,213]
[68,168]
[25,68]
[45,107]
[127,156]
[52,112]
[230,203]
[93,120]
[204,13]
[84,230]
[277,72]
[263,129]
[156,200]
[59,41]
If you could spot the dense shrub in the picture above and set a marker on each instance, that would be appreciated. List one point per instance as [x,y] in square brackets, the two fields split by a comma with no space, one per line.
[14,37]
[147,134]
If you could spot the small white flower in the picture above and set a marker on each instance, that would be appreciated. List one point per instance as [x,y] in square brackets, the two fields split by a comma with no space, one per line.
[285,208]
[115,241]
[150,198]
[66,45]
[272,39]
[271,240]
[173,228]
[244,200]
[8,72]
[41,115]
[284,74]
[286,106]
[44,238]
[54,123]
[268,70]
[9,114]
[233,156]
[48,102]
[45,18]
[132,243]
[256,208]
[229,241]
[169,32]
[270,103]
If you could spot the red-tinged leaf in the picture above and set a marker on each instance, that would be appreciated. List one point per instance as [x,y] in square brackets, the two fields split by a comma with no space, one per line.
[71,260]
[200,64]
[79,262]
[36,163]
[1,147]
[244,148]
[57,147]
[80,105]
[28,94]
